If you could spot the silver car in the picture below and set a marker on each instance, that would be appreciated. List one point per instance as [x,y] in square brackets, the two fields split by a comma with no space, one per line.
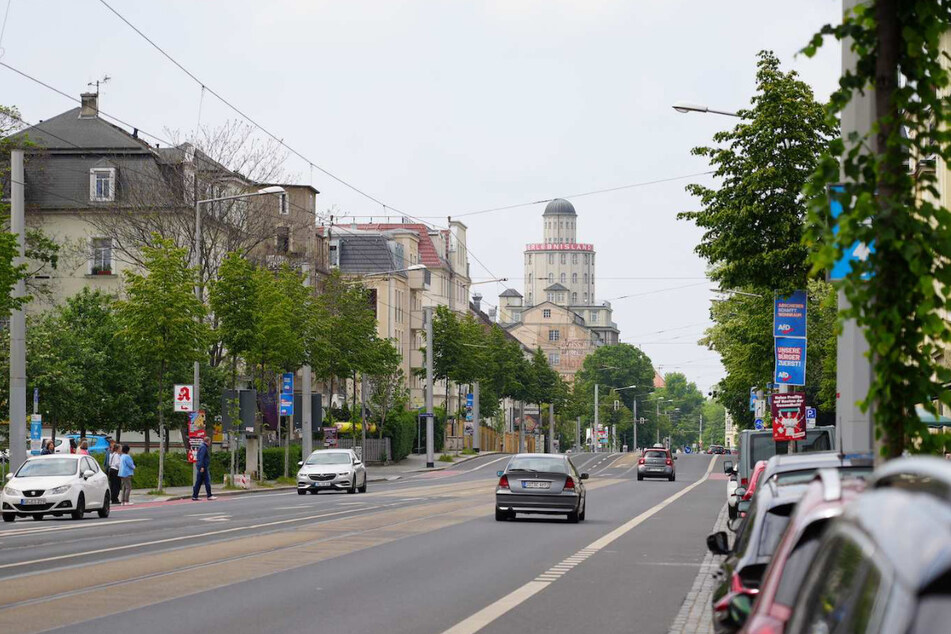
[332,470]
[542,483]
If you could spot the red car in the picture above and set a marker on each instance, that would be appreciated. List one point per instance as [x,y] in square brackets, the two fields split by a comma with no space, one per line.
[823,501]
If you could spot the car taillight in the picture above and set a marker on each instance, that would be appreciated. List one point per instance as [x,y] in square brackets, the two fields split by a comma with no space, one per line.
[569,483]
[504,482]
[641,461]
[669,462]
[743,482]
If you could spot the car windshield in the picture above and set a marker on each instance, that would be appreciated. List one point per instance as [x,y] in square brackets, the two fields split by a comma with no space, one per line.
[329,458]
[656,454]
[54,467]
[540,463]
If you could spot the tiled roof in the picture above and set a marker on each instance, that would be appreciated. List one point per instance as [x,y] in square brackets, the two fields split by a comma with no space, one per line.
[427,250]
[510,292]
[557,288]
[67,131]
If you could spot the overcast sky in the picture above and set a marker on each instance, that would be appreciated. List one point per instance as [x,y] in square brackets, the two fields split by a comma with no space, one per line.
[439,108]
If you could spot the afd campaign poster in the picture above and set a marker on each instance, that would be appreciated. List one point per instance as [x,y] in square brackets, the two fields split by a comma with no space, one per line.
[789,315]
[790,361]
[789,416]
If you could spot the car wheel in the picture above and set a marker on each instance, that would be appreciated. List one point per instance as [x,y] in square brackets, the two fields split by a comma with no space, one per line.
[573,517]
[673,477]
[639,477]
[9,517]
[80,508]
[103,511]
[363,489]
[353,487]
[584,509]
[500,515]
[315,491]
[38,517]
[301,491]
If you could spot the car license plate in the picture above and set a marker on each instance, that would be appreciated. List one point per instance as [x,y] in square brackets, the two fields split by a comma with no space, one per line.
[535,484]
[657,469]
[322,484]
[32,501]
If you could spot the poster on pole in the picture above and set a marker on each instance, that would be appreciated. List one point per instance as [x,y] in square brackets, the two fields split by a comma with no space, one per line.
[182,398]
[789,315]
[790,368]
[330,436]
[789,416]
[196,434]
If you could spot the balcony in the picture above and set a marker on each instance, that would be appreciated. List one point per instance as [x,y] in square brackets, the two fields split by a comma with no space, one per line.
[420,280]
[416,320]
[416,359]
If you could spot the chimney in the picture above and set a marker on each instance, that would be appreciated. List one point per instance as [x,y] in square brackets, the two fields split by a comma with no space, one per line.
[477,301]
[90,105]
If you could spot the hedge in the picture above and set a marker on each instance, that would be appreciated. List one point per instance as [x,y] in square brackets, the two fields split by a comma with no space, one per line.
[400,428]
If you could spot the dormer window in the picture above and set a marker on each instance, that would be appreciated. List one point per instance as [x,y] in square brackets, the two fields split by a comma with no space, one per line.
[102,184]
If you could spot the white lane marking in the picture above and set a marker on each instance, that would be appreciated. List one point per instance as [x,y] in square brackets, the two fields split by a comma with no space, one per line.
[37,530]
[216,518]
[169,540]
[487,464]
[492,612]
[349,503]
[201,514]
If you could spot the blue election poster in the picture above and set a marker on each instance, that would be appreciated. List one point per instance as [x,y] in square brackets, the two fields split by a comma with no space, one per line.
[789,315]
[790,361]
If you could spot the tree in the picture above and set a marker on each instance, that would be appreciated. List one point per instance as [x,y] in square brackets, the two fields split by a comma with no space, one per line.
[714,423]
[620,365]
[686,400]
[899,294]
[162,320]
[387,390]
[754,222]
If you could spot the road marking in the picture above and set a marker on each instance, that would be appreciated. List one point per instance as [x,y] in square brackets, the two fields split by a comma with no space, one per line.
[201,514]
[349,503]
[169,540]
[492,612]
[216,518]
[18,532]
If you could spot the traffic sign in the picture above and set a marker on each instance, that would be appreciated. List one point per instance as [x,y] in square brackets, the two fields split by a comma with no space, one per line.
[753,399]
[36,434]
[287,383]
[182,398]
[687,449]
[810,417]
[758,424]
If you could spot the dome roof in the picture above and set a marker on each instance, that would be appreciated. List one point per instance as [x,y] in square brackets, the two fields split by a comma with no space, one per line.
[559,207]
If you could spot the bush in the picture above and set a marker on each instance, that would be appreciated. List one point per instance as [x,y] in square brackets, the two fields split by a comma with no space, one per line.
[400,428]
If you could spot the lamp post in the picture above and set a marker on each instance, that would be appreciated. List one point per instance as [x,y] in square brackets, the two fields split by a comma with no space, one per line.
[685,107]
[634,422]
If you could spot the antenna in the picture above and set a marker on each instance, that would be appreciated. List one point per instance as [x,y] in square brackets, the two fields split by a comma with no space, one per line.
[105,79]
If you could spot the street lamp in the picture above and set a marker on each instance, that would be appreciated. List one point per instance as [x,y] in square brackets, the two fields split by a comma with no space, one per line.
[634,434]
[686,106]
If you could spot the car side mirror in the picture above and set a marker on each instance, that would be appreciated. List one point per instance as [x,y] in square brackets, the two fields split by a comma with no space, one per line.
[727,466]
[743,506]
[734,523]
[740,492]
[357,463]
[88,473]
[584,476]
[9,476]
[499,473]
[300,463]
[718,543]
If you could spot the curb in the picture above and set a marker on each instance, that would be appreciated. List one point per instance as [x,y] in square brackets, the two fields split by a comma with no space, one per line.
[282,487]
[447,465]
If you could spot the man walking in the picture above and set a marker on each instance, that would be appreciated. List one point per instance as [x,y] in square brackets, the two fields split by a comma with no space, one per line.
[204,469]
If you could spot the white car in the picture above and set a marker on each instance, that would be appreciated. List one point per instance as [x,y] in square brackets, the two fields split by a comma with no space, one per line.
[332,470]
[58,485]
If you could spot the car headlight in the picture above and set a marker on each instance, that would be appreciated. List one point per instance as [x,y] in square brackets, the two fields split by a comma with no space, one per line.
[345,473]
[11,492]
[58,490]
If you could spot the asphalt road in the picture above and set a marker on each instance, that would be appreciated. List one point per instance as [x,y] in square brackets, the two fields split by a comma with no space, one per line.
[423,554]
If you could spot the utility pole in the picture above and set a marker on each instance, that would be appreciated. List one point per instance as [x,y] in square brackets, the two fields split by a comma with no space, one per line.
[196,370]
[17,319]
[594,432]
[306,412]
[700,441]
[476,421]
[634,436]
[430,457]
[551,427]
[363,417]
[521,427]
[657,441]
[854,429]
[578,433]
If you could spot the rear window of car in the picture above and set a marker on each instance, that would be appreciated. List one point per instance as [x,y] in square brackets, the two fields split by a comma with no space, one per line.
[774,525]
[762,447]
[540,463]
[797,564]
[655,454]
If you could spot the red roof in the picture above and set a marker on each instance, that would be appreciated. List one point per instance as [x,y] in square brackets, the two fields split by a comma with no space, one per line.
[427,250]
[659,380]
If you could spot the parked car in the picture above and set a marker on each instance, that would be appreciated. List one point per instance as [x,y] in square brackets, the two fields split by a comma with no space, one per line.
[743,494]
[546,484]
[802,467]
[57,484]
[742,570]
[885,564]
[657,463]
[824,499]
[95,442]
[759,445]
[332,470]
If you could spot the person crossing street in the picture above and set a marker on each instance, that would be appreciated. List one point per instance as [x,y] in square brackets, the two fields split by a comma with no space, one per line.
[203,462]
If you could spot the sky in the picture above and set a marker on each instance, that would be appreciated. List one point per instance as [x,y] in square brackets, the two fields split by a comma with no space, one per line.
[442,108]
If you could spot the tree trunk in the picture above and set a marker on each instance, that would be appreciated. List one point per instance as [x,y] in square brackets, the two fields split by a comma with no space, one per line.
[232,436]
[161,416]
[148,441]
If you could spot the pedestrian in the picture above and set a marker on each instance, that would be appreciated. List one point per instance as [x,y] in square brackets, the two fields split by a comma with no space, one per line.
[203,463]
[72,445]
[84,448]
[115,483]
[126,469]
[48,448]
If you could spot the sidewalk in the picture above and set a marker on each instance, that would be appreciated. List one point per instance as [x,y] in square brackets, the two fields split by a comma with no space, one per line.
[414,463]
[696,616]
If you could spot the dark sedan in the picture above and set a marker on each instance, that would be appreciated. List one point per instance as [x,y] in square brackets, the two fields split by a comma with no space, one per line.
[546,484]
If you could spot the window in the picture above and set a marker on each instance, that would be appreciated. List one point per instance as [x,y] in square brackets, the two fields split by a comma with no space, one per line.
[585,258]
[574,278]
[100,261]
[528,258]
[551,278]
[530,298]
[574,258]
[285,204]
[551,297]
[585,298]
[594,316]
[554,335]
[585,278]
[334,255]
[574,298]
[592,278]
[102,184]
[563,258]
[554,359]
[546,313]
[563,278]
[551,258]
[529,278]
[283,239]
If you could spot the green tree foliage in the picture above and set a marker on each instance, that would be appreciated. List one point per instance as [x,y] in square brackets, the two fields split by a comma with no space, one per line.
[754,221]
[903,302]
[684,403]
[231,297]
[714,423]
[620,365]
[162,322]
